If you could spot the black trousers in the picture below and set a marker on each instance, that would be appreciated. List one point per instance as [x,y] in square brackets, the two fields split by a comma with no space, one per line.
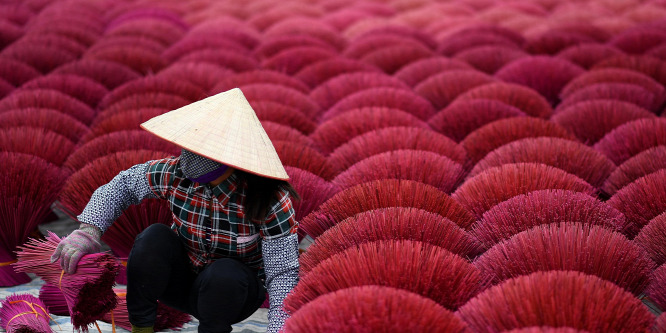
[223,293]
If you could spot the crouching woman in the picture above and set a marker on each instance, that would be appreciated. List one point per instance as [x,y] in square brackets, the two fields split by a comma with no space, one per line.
[233,236]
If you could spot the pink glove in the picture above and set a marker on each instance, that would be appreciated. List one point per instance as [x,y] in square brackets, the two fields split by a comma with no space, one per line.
[72,248]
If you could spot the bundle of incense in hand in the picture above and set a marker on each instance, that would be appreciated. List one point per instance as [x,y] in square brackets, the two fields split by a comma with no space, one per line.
[54,299]
[88,292]
[24,313]
[167,317]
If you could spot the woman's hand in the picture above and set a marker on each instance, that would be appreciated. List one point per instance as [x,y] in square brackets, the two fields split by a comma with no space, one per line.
[72,248]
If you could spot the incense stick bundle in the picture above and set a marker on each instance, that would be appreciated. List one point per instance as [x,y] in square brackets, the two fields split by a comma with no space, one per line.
[8,277]
[25,204]
[119,316]
[54,299]
[167,318]
[24,313]
[88,292]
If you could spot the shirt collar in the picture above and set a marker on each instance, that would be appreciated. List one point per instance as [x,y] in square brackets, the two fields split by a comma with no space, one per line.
[225,189]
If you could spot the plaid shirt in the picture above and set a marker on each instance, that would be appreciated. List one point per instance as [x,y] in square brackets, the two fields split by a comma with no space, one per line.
[212,222]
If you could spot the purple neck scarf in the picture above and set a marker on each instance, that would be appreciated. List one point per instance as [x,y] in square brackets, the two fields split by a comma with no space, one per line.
[209,177]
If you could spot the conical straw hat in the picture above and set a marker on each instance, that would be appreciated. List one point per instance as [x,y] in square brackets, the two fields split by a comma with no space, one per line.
[223,128]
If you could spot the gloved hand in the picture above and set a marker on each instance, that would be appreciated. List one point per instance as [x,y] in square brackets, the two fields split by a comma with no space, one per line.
[72,248]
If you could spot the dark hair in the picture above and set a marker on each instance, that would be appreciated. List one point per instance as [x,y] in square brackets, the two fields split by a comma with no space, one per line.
[261,191]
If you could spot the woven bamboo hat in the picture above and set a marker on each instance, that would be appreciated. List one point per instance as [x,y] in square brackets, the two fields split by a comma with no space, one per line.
[223,128]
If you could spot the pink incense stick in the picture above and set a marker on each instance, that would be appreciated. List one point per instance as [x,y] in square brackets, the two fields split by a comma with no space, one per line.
[88,292]
[54,299]
[24,313]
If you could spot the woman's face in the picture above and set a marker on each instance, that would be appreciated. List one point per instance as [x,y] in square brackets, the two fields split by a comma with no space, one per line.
[200,169]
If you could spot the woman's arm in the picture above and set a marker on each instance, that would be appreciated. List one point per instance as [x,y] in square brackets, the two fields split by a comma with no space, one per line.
[109,201]
[280,252]
[281,266]
[106,204]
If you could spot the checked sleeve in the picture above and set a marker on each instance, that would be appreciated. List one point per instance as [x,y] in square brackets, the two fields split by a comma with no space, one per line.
[281,266]
[280,252]
[109,201]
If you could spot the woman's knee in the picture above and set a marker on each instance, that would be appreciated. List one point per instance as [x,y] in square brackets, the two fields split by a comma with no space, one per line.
[155,241]
[155,236]
[154,232]
[226,293]
[227,273]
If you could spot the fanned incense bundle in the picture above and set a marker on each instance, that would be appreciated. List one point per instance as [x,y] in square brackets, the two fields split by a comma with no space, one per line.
[374,308]
[535,208]
[394,138]
[418,165]
[290,61]
[524,98]
[391,58]
[490,58]
[493,135]
[645,64]
[442,88]
[618,75]
[391,223]
[591,120]
[556,299]
[420,70]
[641,164]
[588,54]
[590,249]
[639,39]
[495,185]
[570,156]
[545,74]
[461,41]
[422,268]
[381,194]
[461,118]
[24,313]
[167,318]
[321,71]
[25,204]
[88,292]
[627,92]
[109,73]
[338,130]
[270,46]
